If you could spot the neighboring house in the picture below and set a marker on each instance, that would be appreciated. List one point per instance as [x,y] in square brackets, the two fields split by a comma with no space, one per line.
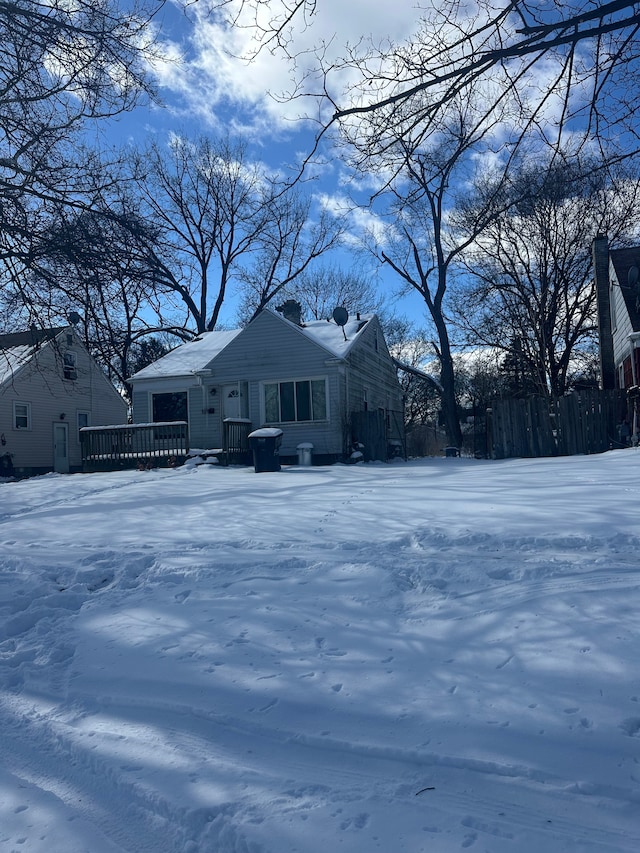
[617,280]
[617,276]
[319,382]
[50,387]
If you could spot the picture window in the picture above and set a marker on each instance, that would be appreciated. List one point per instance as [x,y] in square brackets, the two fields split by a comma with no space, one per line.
[287,402]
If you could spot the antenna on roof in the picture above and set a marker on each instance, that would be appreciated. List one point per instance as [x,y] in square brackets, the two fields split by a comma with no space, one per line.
[341,317]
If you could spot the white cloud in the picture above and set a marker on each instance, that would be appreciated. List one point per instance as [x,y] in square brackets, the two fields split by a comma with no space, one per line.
[212,74]
[364,226]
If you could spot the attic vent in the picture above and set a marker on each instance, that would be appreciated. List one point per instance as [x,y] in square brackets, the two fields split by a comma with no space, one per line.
[292,311]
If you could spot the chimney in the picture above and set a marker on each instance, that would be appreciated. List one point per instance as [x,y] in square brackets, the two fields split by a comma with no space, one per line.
[292,311]
[600,250]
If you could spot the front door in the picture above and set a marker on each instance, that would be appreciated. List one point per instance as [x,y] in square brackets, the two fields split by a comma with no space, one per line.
[235,401]
[61,448]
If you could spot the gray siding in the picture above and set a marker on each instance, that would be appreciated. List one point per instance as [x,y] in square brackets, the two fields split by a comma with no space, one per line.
[270,350]
[40,383]
[141,406]
[200,434]
[622,326]
[371,370]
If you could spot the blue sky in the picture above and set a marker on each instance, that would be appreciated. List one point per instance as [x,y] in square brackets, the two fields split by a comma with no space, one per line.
[205,88]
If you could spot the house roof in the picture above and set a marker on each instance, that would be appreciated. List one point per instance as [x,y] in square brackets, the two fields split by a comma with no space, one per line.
[329,335]
[17,349]
[623,260]
[191,357]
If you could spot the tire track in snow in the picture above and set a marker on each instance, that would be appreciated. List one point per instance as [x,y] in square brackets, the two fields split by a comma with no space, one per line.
[518,592]
[136,819]
[59,502]
[488,806]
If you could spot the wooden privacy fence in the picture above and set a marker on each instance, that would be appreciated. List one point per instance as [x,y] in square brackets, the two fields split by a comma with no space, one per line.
[108,448]
[584,422]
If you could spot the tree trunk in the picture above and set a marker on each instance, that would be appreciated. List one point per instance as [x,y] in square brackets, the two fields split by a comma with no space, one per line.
[449,402]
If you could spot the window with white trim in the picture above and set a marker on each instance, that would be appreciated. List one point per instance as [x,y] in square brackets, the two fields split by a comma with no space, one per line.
[69,365]
[84,420]
[300,400]
[22,415]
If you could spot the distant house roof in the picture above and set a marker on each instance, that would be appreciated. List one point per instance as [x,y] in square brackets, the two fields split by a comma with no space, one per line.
[18,348]
[191,357]
[623,260]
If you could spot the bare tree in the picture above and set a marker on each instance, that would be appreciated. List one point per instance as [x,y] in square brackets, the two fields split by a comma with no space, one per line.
[294,242]
[579,59]
[422,248]
[89,264]
[320,289]
[221,221]
[589,54]
[62,65]
[531,294]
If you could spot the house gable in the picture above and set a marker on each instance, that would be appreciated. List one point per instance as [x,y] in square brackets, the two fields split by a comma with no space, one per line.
[271,343]
[53,381]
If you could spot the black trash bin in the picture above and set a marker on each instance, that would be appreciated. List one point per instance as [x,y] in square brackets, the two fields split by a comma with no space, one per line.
[265,446]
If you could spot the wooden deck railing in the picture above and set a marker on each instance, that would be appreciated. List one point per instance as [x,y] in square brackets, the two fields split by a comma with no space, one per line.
[107,448]
[236,441]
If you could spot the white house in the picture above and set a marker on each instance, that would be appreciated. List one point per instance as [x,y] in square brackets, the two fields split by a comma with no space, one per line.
[323,383]
[50,387]
[617,278]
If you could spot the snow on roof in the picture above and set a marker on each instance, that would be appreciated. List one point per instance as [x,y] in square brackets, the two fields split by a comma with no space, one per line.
[197,354]
[190,357]
[330,336]
[17,348]
[12,359]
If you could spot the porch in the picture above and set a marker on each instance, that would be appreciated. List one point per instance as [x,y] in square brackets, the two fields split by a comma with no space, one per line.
[162,444]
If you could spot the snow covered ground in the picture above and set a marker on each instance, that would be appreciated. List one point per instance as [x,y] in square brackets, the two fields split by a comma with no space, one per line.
[427,656]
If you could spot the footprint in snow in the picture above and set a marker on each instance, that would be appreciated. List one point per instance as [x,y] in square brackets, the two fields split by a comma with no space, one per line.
[358,822]
[631,726]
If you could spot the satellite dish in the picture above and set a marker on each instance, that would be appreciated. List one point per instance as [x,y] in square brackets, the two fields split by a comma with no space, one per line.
[340,315]
[74,318]
[632,276]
